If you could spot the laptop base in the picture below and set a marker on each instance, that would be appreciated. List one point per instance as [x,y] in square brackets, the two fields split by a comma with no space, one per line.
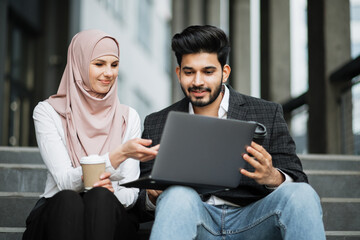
[149,183]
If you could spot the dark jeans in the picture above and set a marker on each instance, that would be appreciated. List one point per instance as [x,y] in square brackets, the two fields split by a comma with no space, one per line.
[96,214]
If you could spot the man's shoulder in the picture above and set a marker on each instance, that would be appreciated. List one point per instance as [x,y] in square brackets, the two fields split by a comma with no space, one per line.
[251,101]
[160,116]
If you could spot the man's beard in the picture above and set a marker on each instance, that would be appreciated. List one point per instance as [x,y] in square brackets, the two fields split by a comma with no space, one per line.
[200,102]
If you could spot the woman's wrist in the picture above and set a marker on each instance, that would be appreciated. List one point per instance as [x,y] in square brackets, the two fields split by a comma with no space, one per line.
[116,157]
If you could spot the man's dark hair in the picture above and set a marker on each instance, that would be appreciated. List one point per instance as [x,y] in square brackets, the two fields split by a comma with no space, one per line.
[196,39]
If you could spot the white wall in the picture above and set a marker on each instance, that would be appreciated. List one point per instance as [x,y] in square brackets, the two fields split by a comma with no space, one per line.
[144,83]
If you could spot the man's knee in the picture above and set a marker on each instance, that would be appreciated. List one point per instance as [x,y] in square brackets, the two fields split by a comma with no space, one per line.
[180,205]
[179,195]
[298,191]
[300,196]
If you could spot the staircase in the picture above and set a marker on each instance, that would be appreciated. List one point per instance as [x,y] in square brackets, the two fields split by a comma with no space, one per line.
[22,180]
[335,178]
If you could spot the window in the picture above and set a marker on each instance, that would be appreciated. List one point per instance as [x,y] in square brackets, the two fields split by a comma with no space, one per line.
[299,72]
[144,21]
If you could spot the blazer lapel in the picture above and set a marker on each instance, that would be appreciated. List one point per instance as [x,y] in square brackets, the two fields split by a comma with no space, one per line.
[182,105]
[237,107]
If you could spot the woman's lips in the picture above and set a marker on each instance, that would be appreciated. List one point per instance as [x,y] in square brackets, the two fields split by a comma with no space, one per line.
[105,82]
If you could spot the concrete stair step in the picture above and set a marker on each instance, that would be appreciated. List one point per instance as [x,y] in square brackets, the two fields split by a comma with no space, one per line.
[11,233]
[330,162]
[22,177]
[335,184]
[342,235]
[27,155]
[15,207]
[16,233]
[341,214]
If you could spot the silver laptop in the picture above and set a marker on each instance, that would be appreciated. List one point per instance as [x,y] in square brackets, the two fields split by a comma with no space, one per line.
[198,151]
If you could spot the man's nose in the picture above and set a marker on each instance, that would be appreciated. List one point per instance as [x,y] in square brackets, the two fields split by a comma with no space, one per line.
[198,79]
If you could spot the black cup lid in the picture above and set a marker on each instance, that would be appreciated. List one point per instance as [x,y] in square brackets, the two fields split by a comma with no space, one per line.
[260,130]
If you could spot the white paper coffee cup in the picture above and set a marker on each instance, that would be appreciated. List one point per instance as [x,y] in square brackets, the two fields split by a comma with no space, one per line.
[92,167]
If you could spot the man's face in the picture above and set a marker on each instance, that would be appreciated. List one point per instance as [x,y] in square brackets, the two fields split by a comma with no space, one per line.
[201,77]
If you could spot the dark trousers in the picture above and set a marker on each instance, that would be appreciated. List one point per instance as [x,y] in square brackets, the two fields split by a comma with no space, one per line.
[96,214]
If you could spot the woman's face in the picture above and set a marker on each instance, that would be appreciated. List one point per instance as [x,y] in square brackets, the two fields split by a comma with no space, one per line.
[102,73]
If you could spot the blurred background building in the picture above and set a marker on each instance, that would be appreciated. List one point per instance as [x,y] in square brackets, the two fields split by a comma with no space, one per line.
[303,54]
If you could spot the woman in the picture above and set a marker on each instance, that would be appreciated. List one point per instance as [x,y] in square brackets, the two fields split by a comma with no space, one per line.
[85,117]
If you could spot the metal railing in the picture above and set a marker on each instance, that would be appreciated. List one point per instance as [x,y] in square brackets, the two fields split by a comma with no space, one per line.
[349,74]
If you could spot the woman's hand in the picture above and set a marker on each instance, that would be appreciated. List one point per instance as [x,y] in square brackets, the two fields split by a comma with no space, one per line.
[105,182]
[136,148]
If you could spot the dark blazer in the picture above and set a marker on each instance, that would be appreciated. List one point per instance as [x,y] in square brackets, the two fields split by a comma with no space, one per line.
[278,142]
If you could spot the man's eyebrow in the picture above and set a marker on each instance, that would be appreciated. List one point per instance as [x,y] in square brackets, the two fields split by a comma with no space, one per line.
[187,68]
[205,68]
[209,67]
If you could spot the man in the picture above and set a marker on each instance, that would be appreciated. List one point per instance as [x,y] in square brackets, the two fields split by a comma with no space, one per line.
[273,201]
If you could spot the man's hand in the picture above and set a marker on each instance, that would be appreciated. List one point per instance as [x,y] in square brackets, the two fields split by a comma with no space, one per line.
[153,195]
[265,173]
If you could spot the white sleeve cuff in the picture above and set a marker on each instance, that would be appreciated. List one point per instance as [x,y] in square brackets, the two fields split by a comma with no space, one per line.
[109,168]
[149,205]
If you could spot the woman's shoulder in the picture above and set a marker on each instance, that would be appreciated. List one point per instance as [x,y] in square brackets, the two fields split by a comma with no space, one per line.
[45,112]
[132,112]
[44,107]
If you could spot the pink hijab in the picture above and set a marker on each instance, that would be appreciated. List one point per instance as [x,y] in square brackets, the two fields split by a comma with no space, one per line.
[91,125]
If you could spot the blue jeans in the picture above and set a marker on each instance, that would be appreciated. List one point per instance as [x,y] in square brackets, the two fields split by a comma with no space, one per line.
[292,211]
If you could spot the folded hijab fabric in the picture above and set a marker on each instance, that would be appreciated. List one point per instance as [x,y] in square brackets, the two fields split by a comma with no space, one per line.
[91,125]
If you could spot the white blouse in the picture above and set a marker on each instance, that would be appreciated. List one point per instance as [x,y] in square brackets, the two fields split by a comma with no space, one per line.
[62,175]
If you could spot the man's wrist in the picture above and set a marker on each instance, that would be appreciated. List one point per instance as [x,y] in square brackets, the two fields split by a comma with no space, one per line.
[149,205]
[278,179]
[151,198]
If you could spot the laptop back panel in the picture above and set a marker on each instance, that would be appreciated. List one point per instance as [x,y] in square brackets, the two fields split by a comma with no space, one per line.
[202,150]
